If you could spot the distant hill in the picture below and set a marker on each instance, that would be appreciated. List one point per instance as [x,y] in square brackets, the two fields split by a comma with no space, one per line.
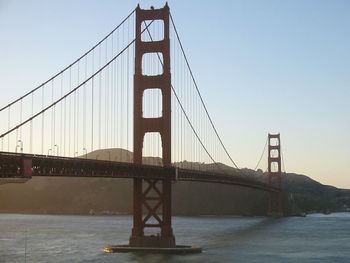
[113,196]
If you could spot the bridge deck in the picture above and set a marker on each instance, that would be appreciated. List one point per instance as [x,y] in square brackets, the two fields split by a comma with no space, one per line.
[24,166]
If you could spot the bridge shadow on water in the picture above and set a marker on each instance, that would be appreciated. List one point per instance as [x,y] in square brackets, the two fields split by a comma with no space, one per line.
[240,234]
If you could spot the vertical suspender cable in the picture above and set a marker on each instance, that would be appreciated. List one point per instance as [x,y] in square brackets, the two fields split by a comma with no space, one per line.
[120,101]
[106,83]
[92,102]
[99,104]
[112,95]
[64,126]
[61,122]
[84,107]
[21,112]
[70,113]
[76,122]
[115,106]
[52,118]
[9,127]
[127,94]
[106,105]
[42,121]
[117,99]
[31,127]
[122,95]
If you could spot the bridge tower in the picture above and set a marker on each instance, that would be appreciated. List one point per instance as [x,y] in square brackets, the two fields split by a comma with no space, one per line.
[152,196]
[275,174]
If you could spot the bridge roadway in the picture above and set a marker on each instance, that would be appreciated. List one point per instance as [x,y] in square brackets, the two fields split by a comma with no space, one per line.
[23,166]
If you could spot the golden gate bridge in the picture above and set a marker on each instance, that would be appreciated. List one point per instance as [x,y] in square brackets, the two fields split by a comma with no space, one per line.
[133,90]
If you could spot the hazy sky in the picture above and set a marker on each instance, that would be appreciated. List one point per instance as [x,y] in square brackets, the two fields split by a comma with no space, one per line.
[262,66]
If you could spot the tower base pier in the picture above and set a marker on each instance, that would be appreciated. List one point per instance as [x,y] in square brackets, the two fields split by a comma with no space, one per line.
[154,244]
[177,250]
[152,241]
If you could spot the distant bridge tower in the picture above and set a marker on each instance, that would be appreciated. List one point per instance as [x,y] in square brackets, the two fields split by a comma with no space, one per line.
[275,175]
[152,196]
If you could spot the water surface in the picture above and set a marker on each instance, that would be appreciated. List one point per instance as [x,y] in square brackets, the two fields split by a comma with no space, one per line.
[51,238]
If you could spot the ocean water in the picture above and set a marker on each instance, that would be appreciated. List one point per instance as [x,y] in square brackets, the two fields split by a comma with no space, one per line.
[52,238]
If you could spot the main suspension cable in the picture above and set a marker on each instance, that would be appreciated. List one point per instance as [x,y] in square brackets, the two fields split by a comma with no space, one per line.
[200,96]
[76,88]
[262,154]
[70,65]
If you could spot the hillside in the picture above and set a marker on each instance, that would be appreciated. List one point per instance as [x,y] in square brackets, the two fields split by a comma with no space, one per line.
[112,196]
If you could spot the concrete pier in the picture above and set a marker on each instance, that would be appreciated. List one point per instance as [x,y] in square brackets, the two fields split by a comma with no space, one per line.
[177,250]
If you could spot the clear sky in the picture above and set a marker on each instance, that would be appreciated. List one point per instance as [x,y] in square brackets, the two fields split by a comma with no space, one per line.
[262,66]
